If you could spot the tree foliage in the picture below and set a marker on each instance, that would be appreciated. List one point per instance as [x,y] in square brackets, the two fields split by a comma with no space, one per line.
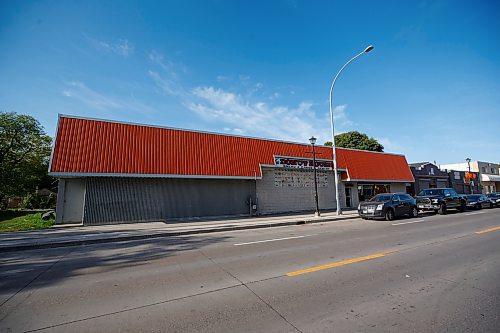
[24,154]
[356,140]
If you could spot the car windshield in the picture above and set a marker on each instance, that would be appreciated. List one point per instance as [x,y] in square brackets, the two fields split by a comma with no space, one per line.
[492,195]
[431,191]
[473,197]
[381,197]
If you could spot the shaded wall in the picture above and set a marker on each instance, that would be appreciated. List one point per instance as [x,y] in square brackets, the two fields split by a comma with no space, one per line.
[115,200]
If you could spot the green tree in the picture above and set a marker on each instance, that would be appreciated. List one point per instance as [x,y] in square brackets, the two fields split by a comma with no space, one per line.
[24,154]
[356,140]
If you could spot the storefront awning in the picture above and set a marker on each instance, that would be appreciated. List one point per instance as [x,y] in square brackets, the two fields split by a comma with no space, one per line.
[490,178]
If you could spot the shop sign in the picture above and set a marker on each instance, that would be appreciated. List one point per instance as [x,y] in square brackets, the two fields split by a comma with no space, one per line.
[457,175]
[301,163]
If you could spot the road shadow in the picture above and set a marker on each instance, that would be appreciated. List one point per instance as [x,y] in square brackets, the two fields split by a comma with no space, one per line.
[49,267]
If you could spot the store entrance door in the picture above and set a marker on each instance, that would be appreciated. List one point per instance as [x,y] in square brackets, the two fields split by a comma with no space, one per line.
[348,202]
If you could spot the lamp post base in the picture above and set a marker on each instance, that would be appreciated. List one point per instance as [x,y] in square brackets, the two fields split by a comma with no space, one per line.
[317,214]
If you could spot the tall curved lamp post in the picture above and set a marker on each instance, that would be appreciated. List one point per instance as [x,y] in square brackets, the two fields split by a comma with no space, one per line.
[339,210]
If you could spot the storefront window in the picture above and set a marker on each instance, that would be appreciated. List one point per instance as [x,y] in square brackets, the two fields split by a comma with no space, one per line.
[366,192]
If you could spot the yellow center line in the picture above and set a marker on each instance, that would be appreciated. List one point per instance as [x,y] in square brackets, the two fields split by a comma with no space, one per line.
[487,230]
[339,263]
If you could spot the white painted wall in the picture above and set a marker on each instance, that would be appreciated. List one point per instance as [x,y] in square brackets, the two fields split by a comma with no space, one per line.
[74,201]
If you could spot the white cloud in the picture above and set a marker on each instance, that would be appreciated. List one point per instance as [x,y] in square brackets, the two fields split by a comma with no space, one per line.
[223,78]
[168,81]
[122,47]
[170,86]
[257,118]
[247,113]
[167,65]
[79,91]
[340,116]
[389,145]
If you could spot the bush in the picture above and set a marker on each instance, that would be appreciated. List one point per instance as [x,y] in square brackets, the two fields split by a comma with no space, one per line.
[38,201]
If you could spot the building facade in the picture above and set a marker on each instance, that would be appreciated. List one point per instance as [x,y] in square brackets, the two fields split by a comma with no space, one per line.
[489,177]
[462,185]
[427,175]
[114,172]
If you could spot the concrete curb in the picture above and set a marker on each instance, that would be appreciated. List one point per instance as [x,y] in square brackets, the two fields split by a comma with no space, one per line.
[50,245]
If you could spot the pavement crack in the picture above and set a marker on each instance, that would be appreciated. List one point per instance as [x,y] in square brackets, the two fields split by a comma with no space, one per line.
[48,268]
[251,290]
[467,284]
[165,302]
[130,309]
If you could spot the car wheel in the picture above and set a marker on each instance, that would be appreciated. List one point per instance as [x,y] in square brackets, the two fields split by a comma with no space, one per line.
[478,206]
[414,212]
[389,215]
[491,205]
[442,209]
[463,207]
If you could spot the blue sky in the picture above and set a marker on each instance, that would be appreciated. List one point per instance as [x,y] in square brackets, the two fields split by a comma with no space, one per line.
[430,89]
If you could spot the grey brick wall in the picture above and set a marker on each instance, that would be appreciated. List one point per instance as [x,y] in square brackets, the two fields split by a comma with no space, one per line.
[292,190]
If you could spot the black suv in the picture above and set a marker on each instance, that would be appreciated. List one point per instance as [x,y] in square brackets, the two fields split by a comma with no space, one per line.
[440,199]
[387,206]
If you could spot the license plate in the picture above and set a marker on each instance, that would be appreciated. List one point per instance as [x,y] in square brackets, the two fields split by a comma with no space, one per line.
[420,206]
[371,210]
[365,211]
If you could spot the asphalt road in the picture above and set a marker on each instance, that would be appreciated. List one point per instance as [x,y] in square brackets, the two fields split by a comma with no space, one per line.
[429,274]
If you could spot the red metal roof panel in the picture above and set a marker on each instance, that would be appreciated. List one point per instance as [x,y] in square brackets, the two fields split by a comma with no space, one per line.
[106,147]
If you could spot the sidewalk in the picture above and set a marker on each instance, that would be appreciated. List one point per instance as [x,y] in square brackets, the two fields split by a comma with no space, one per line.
[61,236]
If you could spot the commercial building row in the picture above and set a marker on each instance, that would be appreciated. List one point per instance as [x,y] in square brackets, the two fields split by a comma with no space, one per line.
[488,173]
[116,172]
[428,175]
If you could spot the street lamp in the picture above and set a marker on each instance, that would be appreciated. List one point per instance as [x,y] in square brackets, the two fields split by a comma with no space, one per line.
[470,184]
[339,210]
[312,140]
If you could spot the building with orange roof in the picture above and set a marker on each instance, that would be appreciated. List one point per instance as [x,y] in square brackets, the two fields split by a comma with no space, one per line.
[117,172]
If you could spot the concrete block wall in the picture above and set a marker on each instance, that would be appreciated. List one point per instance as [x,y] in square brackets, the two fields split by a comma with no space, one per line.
[279,198]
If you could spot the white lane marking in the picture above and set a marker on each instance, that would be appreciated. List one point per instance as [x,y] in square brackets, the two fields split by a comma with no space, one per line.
[410,222]
[468,214]
[272,240]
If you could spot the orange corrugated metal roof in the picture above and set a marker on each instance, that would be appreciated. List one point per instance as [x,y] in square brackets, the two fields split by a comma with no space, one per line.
[91,146]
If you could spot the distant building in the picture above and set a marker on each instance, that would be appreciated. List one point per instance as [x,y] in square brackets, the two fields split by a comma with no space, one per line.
[427,175]
[489,177]
[461,185]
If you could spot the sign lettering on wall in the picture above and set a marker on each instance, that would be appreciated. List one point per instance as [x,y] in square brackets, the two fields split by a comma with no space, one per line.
[291,178]
[302,163]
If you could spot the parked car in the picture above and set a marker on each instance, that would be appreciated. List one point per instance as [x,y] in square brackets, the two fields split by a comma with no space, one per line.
[478,201]
[440,200]
[388,206]
[495,198]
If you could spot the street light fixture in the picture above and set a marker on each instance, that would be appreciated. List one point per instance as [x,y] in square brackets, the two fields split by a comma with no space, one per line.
[339,210]
[471,188]
[312,140]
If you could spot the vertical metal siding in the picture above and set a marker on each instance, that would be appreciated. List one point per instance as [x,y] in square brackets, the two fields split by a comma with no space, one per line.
[115,199]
